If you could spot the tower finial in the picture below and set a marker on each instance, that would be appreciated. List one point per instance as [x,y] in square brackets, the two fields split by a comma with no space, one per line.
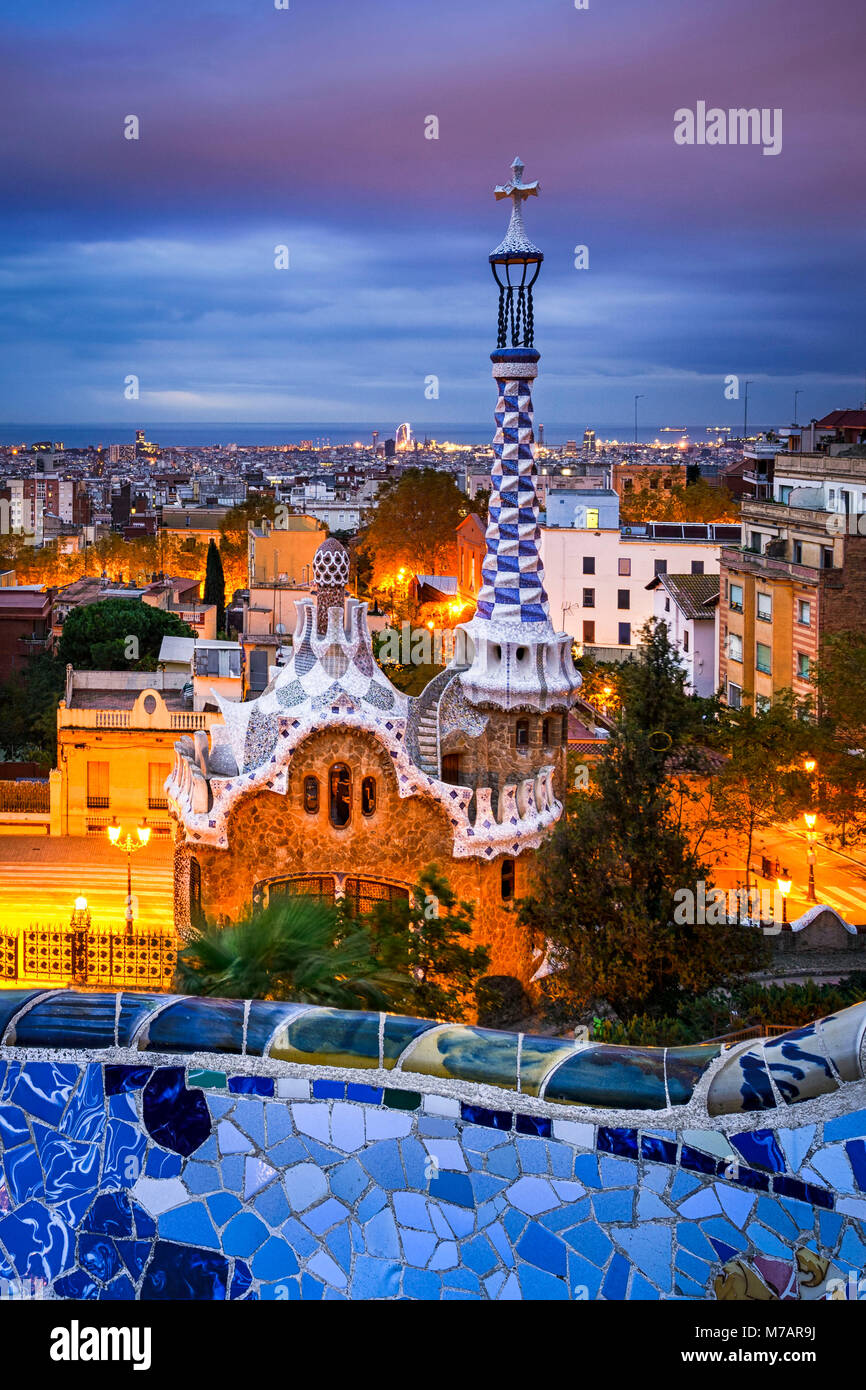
[515,264]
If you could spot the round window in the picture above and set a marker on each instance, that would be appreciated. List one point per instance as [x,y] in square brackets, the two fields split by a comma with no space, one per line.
[149,703]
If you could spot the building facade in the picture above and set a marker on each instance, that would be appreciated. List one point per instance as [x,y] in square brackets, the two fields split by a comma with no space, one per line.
[597,571]
[334,782]
[799,577]
[689,605]
[115,737]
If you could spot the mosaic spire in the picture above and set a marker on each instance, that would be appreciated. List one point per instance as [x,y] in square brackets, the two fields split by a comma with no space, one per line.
[512,574]
[516,657]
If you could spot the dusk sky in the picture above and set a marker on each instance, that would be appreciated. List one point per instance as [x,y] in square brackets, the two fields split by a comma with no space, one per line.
[305,127]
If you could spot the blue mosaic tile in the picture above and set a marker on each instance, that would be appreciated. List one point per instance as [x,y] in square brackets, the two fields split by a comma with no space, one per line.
[856,1151]
[251,1085]
[631,1078]
[617,1141]
[699,1162]
[14,1128]
[110,1215]
[492,1119]
[39,1243]
[649,1249]
[533,1124]
[176,1273]
[329,1090]
[84,1117]
[12,1001]
[119,1080]
[82,1021]
[367,1095]
[98,1257]
[200,1025]
[43,1089]
[616,1279]
[613,1206]
[177,1118]
[760,1149]
[846,1127]
[657,1150]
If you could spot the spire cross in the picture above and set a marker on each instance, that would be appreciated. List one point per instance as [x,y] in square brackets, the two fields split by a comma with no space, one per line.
[516,188]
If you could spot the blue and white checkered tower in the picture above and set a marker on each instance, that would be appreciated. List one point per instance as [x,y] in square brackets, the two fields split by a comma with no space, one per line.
[515,657]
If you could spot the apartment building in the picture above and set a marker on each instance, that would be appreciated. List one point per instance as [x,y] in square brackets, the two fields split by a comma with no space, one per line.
[799,575]
[597,572]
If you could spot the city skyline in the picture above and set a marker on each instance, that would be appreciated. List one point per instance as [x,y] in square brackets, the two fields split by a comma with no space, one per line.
[155,257]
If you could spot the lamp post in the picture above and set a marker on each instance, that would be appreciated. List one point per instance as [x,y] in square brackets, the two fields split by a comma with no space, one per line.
[784,885]
[129,846]
[811,854]
[796,394]
[636,399]
[746,412]
[79,927]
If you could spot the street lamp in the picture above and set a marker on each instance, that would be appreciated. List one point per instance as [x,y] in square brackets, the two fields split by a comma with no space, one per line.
[809,765]
[784,886]
[636,399]
[811,854]
[80,915]
[129,847]
[746,411]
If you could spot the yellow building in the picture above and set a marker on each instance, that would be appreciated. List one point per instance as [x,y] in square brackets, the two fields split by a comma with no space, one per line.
[115,747]
[283,554]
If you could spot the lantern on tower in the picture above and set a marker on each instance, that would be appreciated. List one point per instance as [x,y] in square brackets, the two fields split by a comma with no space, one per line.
[516,263]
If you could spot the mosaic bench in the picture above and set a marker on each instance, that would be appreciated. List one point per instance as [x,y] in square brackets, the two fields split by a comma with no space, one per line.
[162,1147]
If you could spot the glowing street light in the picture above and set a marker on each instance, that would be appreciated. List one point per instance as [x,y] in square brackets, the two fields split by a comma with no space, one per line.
[784,886]
[129,846]
[810,764]
[811,854]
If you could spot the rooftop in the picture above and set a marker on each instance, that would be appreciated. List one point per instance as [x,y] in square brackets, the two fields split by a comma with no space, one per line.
[695,594]
[113,698]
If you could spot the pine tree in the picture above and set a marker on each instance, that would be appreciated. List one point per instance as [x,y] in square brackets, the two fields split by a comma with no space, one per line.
[215,585]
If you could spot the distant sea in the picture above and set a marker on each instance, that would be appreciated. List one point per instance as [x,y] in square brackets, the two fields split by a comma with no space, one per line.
[197,433]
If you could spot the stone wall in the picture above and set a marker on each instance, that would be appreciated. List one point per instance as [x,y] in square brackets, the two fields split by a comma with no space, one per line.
[161,1148]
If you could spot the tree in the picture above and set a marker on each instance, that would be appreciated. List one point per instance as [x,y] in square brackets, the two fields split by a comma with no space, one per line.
[425,940]
[28,712]
[413,525]
[298,948]
[840,681]
[234,532]
[215,585]
[697,501]
[117,634]
[607,878]
[758,784]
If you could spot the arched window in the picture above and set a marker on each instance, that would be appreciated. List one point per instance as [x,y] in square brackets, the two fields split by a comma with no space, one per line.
[507,880]
[340,794]
[521,735]
[368,796]
[311,795]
